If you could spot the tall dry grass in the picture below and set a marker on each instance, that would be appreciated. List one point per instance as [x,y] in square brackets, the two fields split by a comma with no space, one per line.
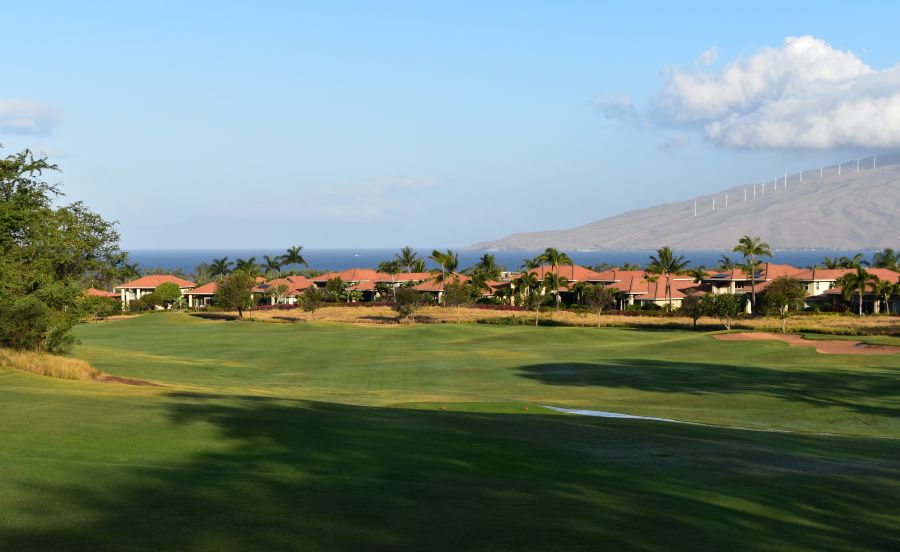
[48,365]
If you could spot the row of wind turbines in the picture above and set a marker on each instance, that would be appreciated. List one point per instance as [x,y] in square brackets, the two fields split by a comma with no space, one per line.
[748,195]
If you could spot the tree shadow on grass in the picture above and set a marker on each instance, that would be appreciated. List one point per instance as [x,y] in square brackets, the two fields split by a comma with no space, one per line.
[308,476]
[867,392]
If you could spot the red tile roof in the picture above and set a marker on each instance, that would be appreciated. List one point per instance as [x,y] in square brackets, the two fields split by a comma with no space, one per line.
[153,281]
[295,284]
[433,285]
[574,273]
[350,275]
[100,293]
[205,289]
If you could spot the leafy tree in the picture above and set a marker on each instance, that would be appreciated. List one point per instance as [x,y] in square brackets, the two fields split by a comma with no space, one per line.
[857,282]
[219,268]
[536,299]
[202,273]
[293,256]
[555,258]
[100,307]
[886,258]
[334,289]
[457,294]
[311,299]
[724,306]
[752,249]
[783,295]
[148,301]
[666,264]
[692,306]
[407,303]
[393,268]
[599,298]
[631,266]
[235,292]
[167,293]
[48,254]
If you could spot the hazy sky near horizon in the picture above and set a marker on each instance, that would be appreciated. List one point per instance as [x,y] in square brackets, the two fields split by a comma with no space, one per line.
[356,124]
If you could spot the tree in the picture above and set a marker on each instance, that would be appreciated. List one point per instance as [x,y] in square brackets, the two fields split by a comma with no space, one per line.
[272,264]
[553,282]
[167,293]
[235,292]
[457,294]
[279,293]
[48,254]
[886,258]
[692,306]
[857,282]
[536,299]
[883,291]
[311,299]
[526,284]
[448,262]
[294,257]
[666,264]
[334,289]
[599,297]
[555,258]
[698,273]
[752,249]
[409,259]
[393,268]
[407,302]
[219,268]
[783,295]
[485,270]
[724,306]
[247,266]
[725,263]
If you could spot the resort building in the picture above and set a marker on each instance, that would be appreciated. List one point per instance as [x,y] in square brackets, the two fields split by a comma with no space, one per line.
[135,289]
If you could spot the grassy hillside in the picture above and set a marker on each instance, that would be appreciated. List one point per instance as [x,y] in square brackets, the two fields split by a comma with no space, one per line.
[325,437]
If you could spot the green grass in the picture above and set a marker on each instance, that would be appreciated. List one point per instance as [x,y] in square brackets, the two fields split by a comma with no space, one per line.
[325,437]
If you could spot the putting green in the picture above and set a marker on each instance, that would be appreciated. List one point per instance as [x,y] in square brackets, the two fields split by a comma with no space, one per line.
[331,437]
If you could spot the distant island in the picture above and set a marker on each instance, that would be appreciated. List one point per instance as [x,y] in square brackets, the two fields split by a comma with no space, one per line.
[836,207]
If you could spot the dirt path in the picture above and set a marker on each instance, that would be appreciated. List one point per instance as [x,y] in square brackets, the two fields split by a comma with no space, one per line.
[826,346]
[127,381]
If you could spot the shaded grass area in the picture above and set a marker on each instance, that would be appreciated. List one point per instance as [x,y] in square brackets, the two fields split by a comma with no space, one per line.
[186,471]
[665,373]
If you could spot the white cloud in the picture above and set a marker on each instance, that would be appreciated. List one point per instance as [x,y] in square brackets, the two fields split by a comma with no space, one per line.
[618,107]
[803,94]
[27,117]
[708,57]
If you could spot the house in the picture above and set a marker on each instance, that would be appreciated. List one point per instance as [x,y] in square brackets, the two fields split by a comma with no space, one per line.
[100,293]
[294,286]
[135,289]
[201,296]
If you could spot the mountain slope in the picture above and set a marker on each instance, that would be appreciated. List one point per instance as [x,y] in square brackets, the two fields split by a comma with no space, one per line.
[855,210]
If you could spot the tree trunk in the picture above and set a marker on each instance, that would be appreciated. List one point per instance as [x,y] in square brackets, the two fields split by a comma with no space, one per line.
[860,301]
[240,313]
[599,312]
[783,324]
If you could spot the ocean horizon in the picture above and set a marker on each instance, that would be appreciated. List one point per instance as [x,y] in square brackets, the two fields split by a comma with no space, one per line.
[344,258]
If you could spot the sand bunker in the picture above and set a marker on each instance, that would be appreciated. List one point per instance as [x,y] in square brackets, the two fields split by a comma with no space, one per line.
[827,346]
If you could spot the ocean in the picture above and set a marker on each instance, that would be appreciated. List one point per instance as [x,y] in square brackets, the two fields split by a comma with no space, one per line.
[342,259]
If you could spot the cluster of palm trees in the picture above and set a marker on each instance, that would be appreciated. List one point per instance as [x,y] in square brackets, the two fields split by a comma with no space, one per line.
[860,280]
[219,268]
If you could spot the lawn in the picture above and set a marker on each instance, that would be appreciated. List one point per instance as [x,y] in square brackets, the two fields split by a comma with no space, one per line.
[321,436]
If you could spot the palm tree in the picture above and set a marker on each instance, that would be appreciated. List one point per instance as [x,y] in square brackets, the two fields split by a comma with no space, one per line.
[393,268]
[409,259]
[555,281]
[530,264]
[724,263]
[857,282]
[752,249]
[886,258]
[555,258]
[448,262]
[248,266]
[294,257]
[883,291]
[666,264]
[219,268]
[130,271]
[273,264]
[847,262]
[525,284]
[697,273]
[830,263]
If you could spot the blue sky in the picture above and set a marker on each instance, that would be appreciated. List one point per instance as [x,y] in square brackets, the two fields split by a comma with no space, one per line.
[383,124]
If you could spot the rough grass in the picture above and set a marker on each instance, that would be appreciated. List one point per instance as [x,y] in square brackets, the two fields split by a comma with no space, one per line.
[44,364]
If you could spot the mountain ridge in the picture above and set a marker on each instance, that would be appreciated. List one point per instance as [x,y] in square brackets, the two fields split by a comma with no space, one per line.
[853,210]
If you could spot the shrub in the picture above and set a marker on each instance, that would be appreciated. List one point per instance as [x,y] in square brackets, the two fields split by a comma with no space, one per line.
[408,301]
[29,323]
[48,365]
[167,293]
[310,300]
